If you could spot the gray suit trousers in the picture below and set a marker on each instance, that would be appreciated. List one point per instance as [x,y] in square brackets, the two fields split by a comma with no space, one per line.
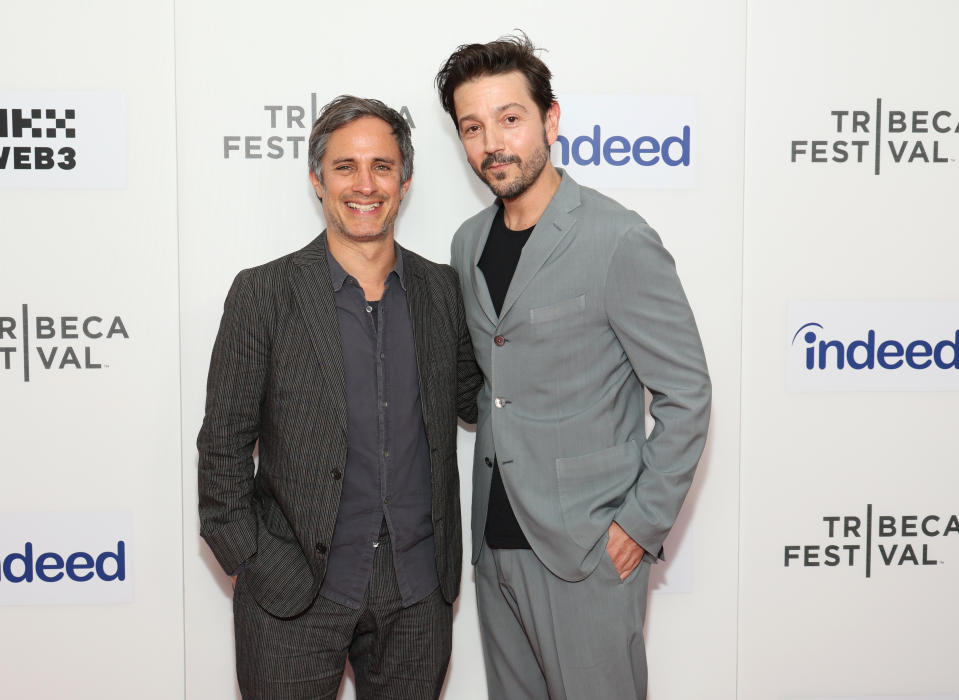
[549,639]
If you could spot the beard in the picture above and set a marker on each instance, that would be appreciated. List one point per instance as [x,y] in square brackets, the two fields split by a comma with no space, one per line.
[529,171]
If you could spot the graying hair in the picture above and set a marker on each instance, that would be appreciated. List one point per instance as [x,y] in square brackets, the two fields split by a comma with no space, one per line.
[347,108]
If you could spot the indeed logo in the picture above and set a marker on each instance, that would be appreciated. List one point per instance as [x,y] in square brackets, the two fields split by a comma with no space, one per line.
[593,149]
[50,567]
[628,141]
[872,352]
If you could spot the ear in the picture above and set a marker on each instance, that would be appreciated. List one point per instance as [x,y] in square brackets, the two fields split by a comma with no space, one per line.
[404,187]
[552,123]
[317,185]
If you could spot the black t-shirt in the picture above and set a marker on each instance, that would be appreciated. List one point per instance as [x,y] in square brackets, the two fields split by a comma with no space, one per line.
[498,263]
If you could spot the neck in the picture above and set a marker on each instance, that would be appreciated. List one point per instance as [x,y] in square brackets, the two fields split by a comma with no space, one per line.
[522,212]
[368,262]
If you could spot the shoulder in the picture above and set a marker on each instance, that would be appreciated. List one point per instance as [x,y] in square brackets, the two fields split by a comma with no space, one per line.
[473,227]
[276,273]
[606,215]
[433,272]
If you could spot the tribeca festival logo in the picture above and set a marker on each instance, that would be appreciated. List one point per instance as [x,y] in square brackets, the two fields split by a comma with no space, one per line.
[48,558]
[64,139]
[878,346]
[288,132]
[627,141]
[43,342]
[881,137]
[870,540]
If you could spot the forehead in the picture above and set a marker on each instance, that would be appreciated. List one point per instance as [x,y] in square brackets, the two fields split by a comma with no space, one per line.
[366,136]
[492,91]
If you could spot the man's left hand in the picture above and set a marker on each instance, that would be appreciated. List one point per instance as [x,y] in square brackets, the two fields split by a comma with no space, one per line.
[625,552]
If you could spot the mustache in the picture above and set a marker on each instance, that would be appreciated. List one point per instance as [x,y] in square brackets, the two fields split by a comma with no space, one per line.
[498,159]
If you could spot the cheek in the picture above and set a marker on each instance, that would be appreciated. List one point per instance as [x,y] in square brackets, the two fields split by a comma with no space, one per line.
[473,148]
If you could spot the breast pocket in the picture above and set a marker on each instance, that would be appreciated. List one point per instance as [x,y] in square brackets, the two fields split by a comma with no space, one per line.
[559,318]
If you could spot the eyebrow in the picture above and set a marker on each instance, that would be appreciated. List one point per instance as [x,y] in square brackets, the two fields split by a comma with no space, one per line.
[376,159]
[496,110]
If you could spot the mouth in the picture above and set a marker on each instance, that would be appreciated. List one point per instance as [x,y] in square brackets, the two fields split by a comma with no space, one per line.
[493,163]
[364,208]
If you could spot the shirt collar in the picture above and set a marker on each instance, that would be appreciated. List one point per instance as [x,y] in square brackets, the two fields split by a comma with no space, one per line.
[338,275]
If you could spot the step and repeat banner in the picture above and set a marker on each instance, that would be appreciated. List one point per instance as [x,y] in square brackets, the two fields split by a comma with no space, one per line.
[849,538]
[91,554]
[797,160]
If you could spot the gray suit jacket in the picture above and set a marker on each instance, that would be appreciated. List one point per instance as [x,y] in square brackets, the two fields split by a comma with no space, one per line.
[276,380]
[594,313]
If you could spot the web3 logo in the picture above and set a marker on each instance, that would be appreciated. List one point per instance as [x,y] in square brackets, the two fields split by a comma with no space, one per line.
[628,141]
[62,140]
[873,346]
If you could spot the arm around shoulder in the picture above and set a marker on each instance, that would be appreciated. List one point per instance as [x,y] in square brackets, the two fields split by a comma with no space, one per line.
[469,379]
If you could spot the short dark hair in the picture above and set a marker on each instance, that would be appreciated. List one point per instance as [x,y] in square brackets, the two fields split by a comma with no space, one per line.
[345,109]
[505,55]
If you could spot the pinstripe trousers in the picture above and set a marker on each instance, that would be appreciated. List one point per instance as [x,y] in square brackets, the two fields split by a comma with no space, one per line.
[396,653]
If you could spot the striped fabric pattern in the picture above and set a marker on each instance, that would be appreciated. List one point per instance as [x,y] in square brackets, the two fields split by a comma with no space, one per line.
[276,386]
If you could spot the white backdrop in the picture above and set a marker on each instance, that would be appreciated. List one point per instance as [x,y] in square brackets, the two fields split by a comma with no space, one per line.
[91,451]
[215,103]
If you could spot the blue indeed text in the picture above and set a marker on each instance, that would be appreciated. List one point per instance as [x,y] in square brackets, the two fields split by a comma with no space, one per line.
[869,353]
[50,566]
[593,149]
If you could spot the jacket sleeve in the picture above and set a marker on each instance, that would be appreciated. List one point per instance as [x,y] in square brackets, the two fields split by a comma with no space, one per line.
[650,315]
[231,426]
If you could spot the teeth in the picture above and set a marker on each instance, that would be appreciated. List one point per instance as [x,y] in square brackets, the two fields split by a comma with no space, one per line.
[362,207]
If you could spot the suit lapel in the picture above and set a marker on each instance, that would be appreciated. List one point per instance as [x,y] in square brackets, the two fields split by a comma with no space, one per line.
[552,227]
[313,291]
[421,316]
[480,290]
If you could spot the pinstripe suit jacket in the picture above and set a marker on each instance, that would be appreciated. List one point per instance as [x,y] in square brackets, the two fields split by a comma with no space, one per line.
[276,381]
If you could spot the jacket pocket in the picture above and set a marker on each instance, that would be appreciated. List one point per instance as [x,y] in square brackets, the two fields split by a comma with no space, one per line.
[554,312]
[593,487]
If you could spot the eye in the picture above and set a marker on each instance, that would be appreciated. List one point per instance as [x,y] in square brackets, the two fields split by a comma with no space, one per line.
[511,119]
[471,129]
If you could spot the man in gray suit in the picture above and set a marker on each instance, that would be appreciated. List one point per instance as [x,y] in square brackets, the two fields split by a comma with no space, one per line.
[345,365]
[574,307]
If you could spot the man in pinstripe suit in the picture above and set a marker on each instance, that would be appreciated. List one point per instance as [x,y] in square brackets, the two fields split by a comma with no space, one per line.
[346,363]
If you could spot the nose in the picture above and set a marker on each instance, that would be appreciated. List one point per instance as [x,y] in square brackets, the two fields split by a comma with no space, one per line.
[492,140]
[363,181]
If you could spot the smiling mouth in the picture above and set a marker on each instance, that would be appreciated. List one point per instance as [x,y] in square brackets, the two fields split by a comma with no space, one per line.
[366,208]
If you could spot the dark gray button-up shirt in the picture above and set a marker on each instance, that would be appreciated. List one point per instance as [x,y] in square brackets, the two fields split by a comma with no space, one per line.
[387,472]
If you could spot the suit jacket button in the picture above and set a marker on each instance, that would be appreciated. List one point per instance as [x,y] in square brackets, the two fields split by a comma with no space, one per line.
[336,474]
[499,340]
[489,463]
[321,548]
